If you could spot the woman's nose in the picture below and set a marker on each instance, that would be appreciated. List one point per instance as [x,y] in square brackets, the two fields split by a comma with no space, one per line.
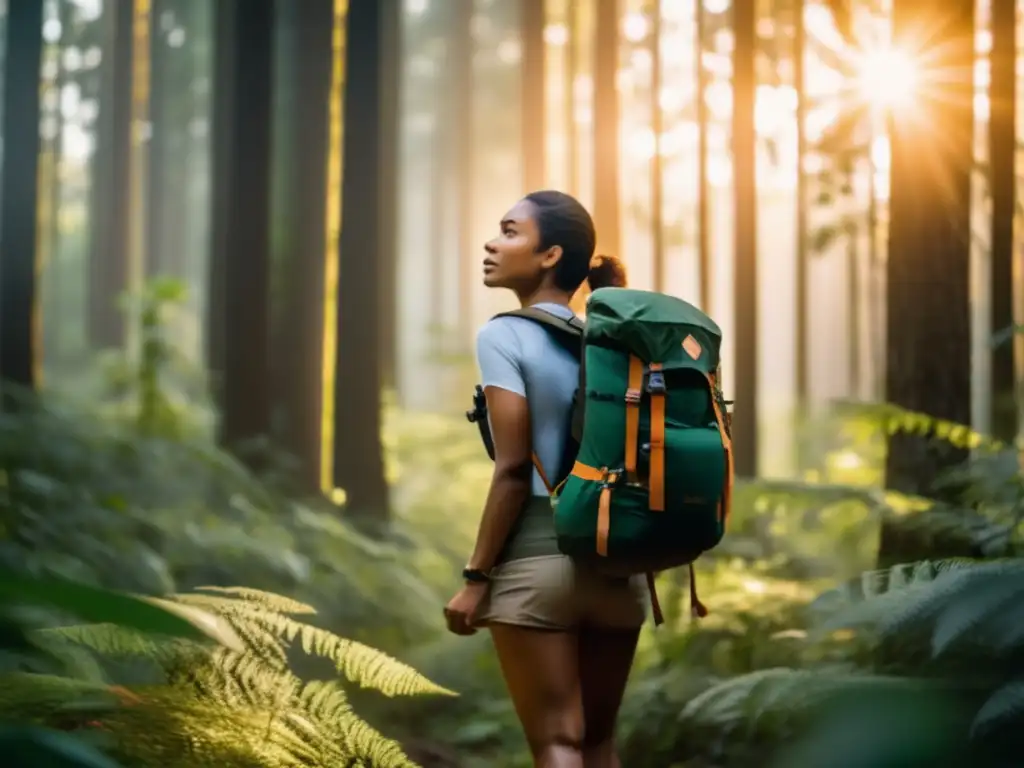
[489,247]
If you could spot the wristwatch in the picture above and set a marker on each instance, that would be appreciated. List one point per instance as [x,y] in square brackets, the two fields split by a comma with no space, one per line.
[475,575]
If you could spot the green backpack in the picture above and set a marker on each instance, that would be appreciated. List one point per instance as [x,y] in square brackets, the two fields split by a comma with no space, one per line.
[646,479]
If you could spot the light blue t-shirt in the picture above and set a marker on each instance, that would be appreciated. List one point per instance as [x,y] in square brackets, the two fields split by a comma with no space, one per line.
[519,355]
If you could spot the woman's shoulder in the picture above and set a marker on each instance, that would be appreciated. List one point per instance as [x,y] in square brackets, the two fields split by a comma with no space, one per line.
[500,334]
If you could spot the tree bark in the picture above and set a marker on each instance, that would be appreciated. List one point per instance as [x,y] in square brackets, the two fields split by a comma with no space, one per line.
[928,366]
[109,253]
[358,455]
[1002,142]
[19,193]
[606,128]
[745,279]
[239,294]
[532,87]
[299,338]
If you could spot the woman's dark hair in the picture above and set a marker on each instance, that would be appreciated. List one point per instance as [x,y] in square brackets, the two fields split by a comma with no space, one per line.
[562,220]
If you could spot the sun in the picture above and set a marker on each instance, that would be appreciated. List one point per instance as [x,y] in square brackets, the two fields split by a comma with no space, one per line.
[887,77]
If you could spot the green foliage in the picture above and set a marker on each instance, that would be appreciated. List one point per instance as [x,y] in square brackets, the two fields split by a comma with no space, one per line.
[235,705]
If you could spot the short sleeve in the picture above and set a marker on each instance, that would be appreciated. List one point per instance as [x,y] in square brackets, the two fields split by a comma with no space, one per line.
[498,357]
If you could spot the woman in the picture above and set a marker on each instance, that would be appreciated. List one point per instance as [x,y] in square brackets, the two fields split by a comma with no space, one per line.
[565,635]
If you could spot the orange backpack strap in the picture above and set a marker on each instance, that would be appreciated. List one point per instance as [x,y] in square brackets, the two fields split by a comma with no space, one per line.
[633,394]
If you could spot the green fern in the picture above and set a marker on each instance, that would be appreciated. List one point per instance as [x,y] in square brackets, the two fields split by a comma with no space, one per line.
[1005,704]
[360,664]
[235,708]
[771,700]
[887,599]
[278,603]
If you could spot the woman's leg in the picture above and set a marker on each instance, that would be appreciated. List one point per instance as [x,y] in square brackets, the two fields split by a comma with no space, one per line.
[605,658]
[541,670]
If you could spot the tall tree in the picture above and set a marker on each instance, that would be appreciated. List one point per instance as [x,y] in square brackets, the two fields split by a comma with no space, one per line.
[18,194]
[358,454]
[533,89]
[239,295]
[745,279]
[1002,148]
[800,78]
[657,166]
[459,147]
[306,63]
[703,215]
[391,89]
[110,251]
[606,127]
[928,271]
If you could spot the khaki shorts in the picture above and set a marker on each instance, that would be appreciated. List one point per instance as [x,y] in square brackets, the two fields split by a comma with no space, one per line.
[555,593]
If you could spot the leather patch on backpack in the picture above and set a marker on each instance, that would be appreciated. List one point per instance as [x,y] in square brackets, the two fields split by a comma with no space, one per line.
[692,347]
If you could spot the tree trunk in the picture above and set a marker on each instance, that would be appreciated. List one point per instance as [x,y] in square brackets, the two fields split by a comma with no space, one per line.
[532,87]
[606,128]
[658,266]
[391,89]
[358,455]
[800,356]
[1002,180]
[109,255]
[928,365]
[238,316]
[459,153]
[703,213]
[745,280]
[157,251]
[308,61]
[18,195]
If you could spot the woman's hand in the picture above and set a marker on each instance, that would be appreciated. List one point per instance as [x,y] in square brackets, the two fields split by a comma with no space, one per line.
[461,612]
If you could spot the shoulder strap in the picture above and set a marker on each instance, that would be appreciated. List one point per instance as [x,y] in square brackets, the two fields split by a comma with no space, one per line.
[569,330]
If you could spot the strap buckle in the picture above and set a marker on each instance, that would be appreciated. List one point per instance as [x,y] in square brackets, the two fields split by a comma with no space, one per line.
[612,478]
[656,383]
[633,396]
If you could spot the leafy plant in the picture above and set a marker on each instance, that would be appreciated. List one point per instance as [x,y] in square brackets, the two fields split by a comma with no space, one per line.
[184,703]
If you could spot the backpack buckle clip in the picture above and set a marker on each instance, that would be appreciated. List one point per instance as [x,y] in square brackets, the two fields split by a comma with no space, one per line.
[612,478]
[656,383]
[633,396]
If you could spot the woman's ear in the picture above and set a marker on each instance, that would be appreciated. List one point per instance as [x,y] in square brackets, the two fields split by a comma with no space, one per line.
[552,256]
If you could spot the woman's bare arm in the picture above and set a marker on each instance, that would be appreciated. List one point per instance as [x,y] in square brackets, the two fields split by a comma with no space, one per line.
[513,473]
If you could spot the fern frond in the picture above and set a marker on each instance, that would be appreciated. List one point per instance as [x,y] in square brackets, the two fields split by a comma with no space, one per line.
[879,597]
[326,703]
[185,731]
[254,625]
[28,695]
[1006,704]
[771,699]
[118,642]
[243,679]
[979,600]
[360,664]
[923,608]
[268,600]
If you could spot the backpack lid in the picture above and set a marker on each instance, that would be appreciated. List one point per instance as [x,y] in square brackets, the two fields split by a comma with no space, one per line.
[654,326]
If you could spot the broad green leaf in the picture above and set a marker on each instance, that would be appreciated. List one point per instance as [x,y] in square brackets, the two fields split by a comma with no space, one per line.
[102,606]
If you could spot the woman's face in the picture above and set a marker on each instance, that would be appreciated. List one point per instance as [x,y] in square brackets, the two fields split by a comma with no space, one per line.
[512,259]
